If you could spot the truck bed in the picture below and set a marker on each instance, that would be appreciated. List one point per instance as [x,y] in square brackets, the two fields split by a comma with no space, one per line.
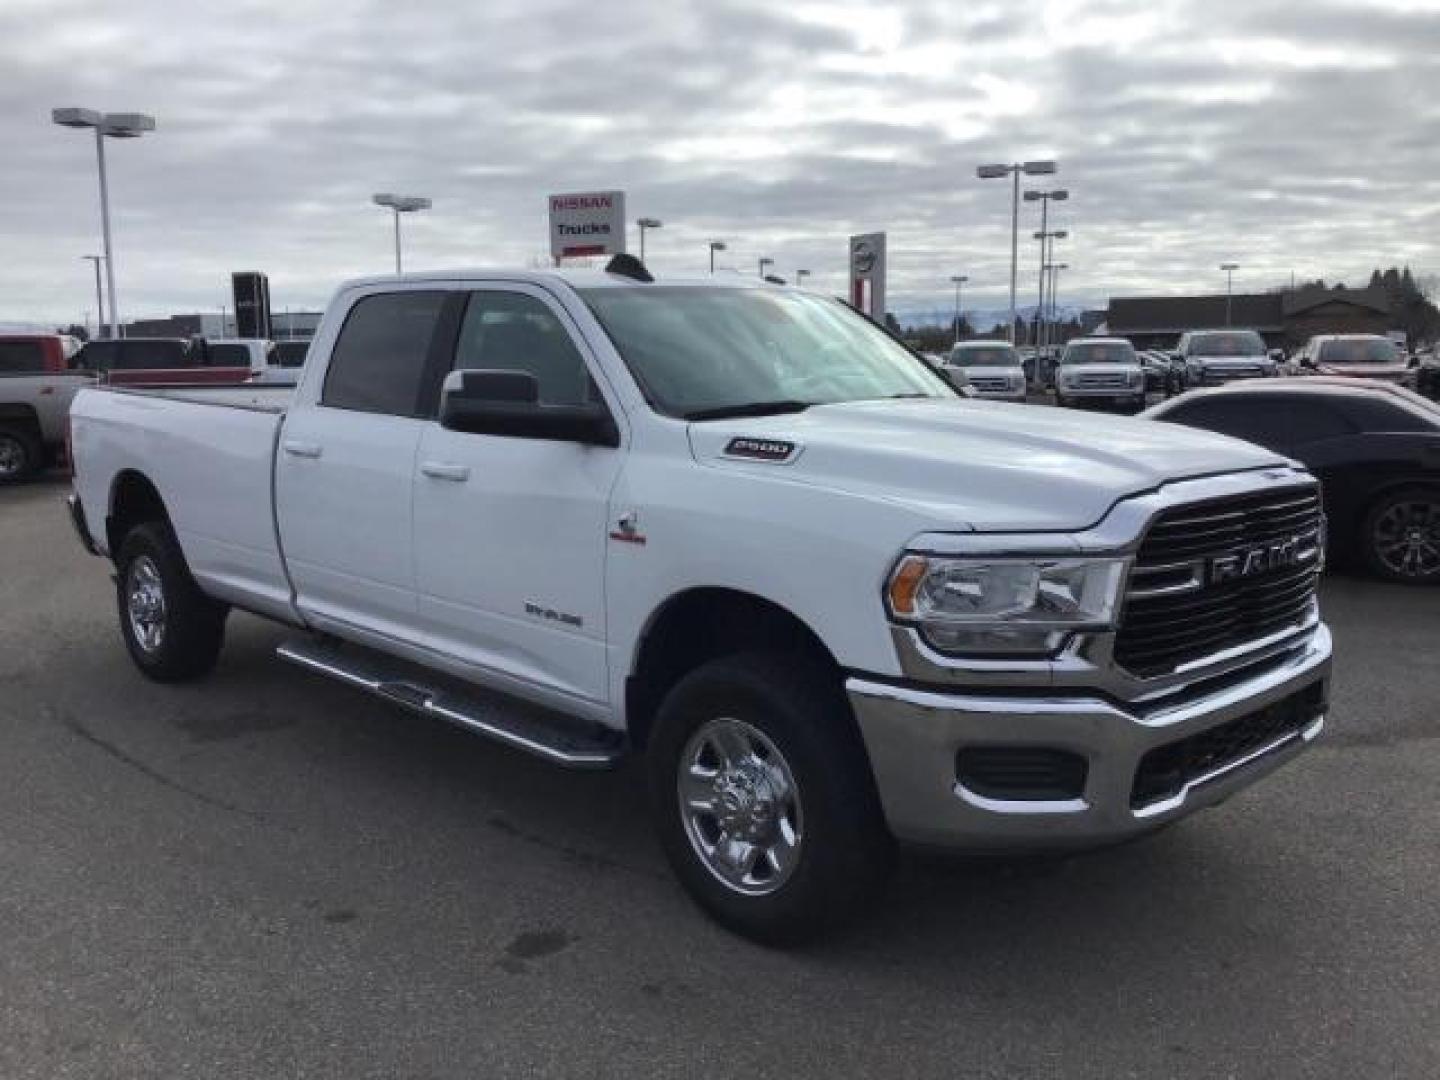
[211,451]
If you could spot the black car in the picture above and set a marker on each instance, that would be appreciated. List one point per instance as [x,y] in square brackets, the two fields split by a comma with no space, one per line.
[1375,448]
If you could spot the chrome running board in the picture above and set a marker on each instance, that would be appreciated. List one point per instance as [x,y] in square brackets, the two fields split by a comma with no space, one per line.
[561,740]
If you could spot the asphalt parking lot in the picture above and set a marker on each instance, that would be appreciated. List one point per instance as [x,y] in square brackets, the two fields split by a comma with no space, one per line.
[268,875]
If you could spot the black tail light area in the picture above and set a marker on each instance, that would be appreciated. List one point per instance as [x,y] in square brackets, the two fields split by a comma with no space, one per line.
[1021,773]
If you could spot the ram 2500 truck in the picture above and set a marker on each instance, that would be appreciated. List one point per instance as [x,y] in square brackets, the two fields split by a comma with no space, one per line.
[741,531]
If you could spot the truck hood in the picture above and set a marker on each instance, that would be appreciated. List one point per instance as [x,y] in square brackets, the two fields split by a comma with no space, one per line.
[975,465]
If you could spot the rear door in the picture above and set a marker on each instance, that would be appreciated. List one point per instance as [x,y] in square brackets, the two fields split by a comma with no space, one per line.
[345,465]
[511,533]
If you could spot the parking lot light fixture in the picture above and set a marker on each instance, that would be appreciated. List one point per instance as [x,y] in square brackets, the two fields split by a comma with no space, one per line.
[99,299]
[958,280]
[1054,269]
[113,126]
[1229,269]
[800,276]
[643,224]
[715,245]
[1043,198]
[1014,171]
[400,204]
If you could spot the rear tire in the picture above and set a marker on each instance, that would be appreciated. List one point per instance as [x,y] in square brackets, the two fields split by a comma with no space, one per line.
[1400,537]
[779,836]
[20,455]
[172,630]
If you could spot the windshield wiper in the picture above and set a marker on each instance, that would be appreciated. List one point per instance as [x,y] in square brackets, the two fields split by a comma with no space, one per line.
[749,408]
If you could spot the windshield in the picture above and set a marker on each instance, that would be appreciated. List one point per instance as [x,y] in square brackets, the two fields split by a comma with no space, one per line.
[984,356]
[1240,343]
[1099,352]
[701,350]
[1359,351]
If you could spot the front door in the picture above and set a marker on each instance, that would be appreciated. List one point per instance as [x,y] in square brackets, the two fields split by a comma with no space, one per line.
[511,533]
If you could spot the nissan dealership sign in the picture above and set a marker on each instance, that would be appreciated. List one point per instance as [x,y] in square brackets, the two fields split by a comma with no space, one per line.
[867,273]
[587,223]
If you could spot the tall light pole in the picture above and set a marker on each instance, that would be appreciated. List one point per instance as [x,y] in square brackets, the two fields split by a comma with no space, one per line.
[800,276]
[1043,198]
[400,204]
[1229,269]
[99,304]
[995,172]
[1047,254]
[765,262]
[1055,269]
[958,280]
[116,126]
[715,245]
[646,223]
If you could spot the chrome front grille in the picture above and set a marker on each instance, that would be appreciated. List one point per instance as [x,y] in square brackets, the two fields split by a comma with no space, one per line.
[1101,381]
[1218,575]
[1230,374]
[993,384]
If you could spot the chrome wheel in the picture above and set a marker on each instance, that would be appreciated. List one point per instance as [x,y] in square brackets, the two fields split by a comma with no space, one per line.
[145,603]
[740,806]
[1406,537]
[12,456]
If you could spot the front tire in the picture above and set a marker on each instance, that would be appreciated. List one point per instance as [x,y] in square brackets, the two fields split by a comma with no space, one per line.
[20,455]
[1400,538]
[172,630]
[764,799]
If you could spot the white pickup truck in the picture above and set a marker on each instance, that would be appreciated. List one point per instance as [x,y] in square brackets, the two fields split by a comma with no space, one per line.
[743,532]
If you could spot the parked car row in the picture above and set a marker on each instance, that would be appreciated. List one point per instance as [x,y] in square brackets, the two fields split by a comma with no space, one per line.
[40,374]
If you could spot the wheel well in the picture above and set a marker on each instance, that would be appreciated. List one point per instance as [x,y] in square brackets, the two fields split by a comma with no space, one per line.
[21,418]
[702,625]
[133,501]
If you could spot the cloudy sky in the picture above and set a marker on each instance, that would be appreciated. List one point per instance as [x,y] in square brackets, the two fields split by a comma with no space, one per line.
[1285,136]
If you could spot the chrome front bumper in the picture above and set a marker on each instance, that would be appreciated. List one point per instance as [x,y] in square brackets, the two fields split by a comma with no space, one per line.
[913,736]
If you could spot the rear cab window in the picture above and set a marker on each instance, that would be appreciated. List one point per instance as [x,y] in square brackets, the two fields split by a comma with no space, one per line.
[380,359]
[21,357]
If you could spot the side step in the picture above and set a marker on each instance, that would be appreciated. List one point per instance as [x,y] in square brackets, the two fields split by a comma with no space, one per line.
[561,740]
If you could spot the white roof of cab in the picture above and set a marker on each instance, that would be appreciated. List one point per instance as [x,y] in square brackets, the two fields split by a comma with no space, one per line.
[579,279]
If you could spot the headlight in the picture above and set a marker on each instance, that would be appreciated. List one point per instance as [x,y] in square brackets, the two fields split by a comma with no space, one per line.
[1004,606]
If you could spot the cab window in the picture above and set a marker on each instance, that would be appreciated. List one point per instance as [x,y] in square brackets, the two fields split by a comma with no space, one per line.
[512,331]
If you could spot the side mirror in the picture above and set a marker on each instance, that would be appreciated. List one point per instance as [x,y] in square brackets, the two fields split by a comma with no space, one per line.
[1277,355]
[508,403]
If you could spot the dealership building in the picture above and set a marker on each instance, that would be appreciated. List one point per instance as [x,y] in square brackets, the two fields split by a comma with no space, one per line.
[1286,320]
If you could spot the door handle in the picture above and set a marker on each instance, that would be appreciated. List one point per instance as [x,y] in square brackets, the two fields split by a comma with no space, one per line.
[439,470]
[302,449]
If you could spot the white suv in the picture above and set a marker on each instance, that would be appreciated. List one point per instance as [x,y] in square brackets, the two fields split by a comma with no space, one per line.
[1101,370]
[992,369]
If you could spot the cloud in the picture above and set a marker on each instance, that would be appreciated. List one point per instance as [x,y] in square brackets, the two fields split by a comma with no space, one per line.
[1189,133]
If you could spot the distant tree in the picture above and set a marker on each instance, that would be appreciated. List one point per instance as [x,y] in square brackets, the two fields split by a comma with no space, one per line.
[75,330]
[893,324]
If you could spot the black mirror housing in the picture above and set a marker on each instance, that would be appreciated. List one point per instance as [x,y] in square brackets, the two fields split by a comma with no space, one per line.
[508,403]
